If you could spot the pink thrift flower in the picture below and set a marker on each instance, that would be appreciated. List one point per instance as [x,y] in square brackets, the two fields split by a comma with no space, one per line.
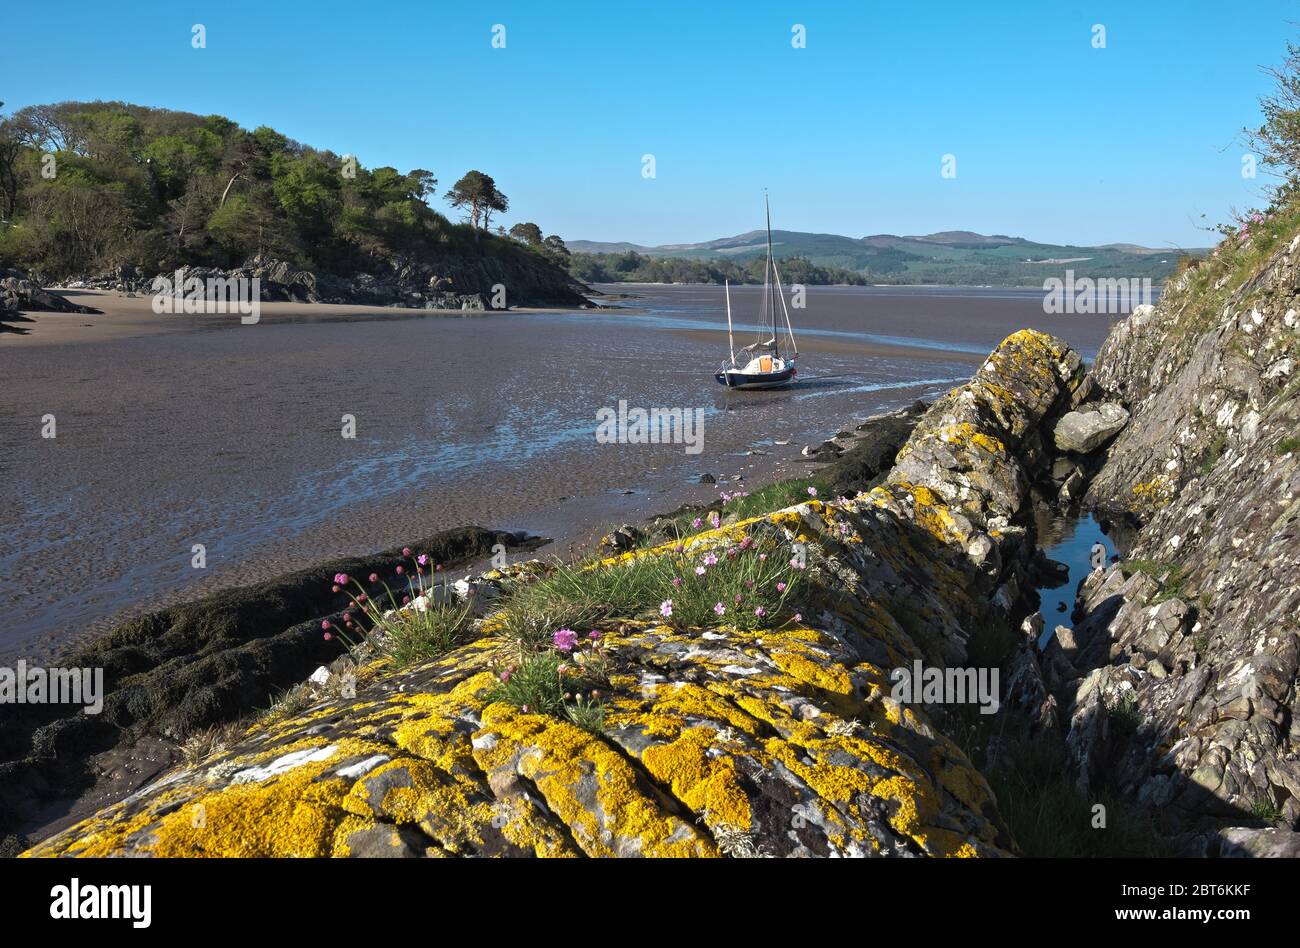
[780,587]
[374,577]
[760,612]
[400,571]
[812,491]
[710,560]
[406,551]
[325,623]
[677,582]
[719,608]
[697,523]
[565,639]
[328,637]
[594,635]
[700,571]
[666,608]
[423,559]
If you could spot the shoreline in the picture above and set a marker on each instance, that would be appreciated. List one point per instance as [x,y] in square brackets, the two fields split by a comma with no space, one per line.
[123,315]
[140,758]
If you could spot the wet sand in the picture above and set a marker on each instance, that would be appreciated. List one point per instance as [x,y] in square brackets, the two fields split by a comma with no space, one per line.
[181,431]
[122,316]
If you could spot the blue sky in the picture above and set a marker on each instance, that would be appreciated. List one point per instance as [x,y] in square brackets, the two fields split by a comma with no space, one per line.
[1054,139]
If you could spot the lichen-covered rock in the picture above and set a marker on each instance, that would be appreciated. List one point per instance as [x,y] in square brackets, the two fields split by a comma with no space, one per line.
[1199,628]
[784,741]
[172,673]
[715,742]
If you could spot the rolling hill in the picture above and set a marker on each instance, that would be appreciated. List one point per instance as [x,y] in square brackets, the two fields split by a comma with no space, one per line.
[952,257]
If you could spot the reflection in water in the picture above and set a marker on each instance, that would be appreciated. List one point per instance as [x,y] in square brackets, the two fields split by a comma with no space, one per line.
[1069,540]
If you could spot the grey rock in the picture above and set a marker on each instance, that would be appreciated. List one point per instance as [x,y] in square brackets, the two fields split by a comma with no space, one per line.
[1085,430]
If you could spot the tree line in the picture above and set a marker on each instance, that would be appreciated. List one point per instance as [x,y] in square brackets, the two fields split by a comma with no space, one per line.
[633,267]
[89,186]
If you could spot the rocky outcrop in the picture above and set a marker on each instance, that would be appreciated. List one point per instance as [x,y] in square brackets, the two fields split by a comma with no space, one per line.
[1190,647]
[21,294]
[779,735]
[174,672]
[452,282]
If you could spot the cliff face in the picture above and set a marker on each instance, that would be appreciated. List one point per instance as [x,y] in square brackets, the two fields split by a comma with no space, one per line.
[778,737]
[1192,642]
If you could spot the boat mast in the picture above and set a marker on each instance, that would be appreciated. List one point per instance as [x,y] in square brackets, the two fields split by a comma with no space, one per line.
[781,293]
[767,285]
[731,339]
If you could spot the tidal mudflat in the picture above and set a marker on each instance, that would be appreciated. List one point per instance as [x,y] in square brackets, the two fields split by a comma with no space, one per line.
[180,432]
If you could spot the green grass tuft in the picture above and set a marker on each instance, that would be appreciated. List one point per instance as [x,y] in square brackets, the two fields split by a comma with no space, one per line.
[409,637]
[1168,575]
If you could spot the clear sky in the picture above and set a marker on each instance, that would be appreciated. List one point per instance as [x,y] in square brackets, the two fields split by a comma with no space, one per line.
[1054,139]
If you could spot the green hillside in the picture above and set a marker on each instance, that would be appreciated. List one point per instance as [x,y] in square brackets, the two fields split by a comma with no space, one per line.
[954,257]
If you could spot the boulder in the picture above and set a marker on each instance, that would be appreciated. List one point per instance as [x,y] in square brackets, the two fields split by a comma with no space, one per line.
[1087,429]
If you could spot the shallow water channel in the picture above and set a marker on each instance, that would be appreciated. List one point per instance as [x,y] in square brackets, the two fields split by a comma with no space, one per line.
[1068,538]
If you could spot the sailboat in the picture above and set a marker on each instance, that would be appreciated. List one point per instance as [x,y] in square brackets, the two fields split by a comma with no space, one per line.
[761,364]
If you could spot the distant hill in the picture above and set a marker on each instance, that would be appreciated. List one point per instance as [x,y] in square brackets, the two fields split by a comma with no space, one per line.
[953,257]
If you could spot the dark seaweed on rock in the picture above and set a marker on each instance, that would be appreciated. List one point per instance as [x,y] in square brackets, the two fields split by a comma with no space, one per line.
[173,672]
[877,442]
